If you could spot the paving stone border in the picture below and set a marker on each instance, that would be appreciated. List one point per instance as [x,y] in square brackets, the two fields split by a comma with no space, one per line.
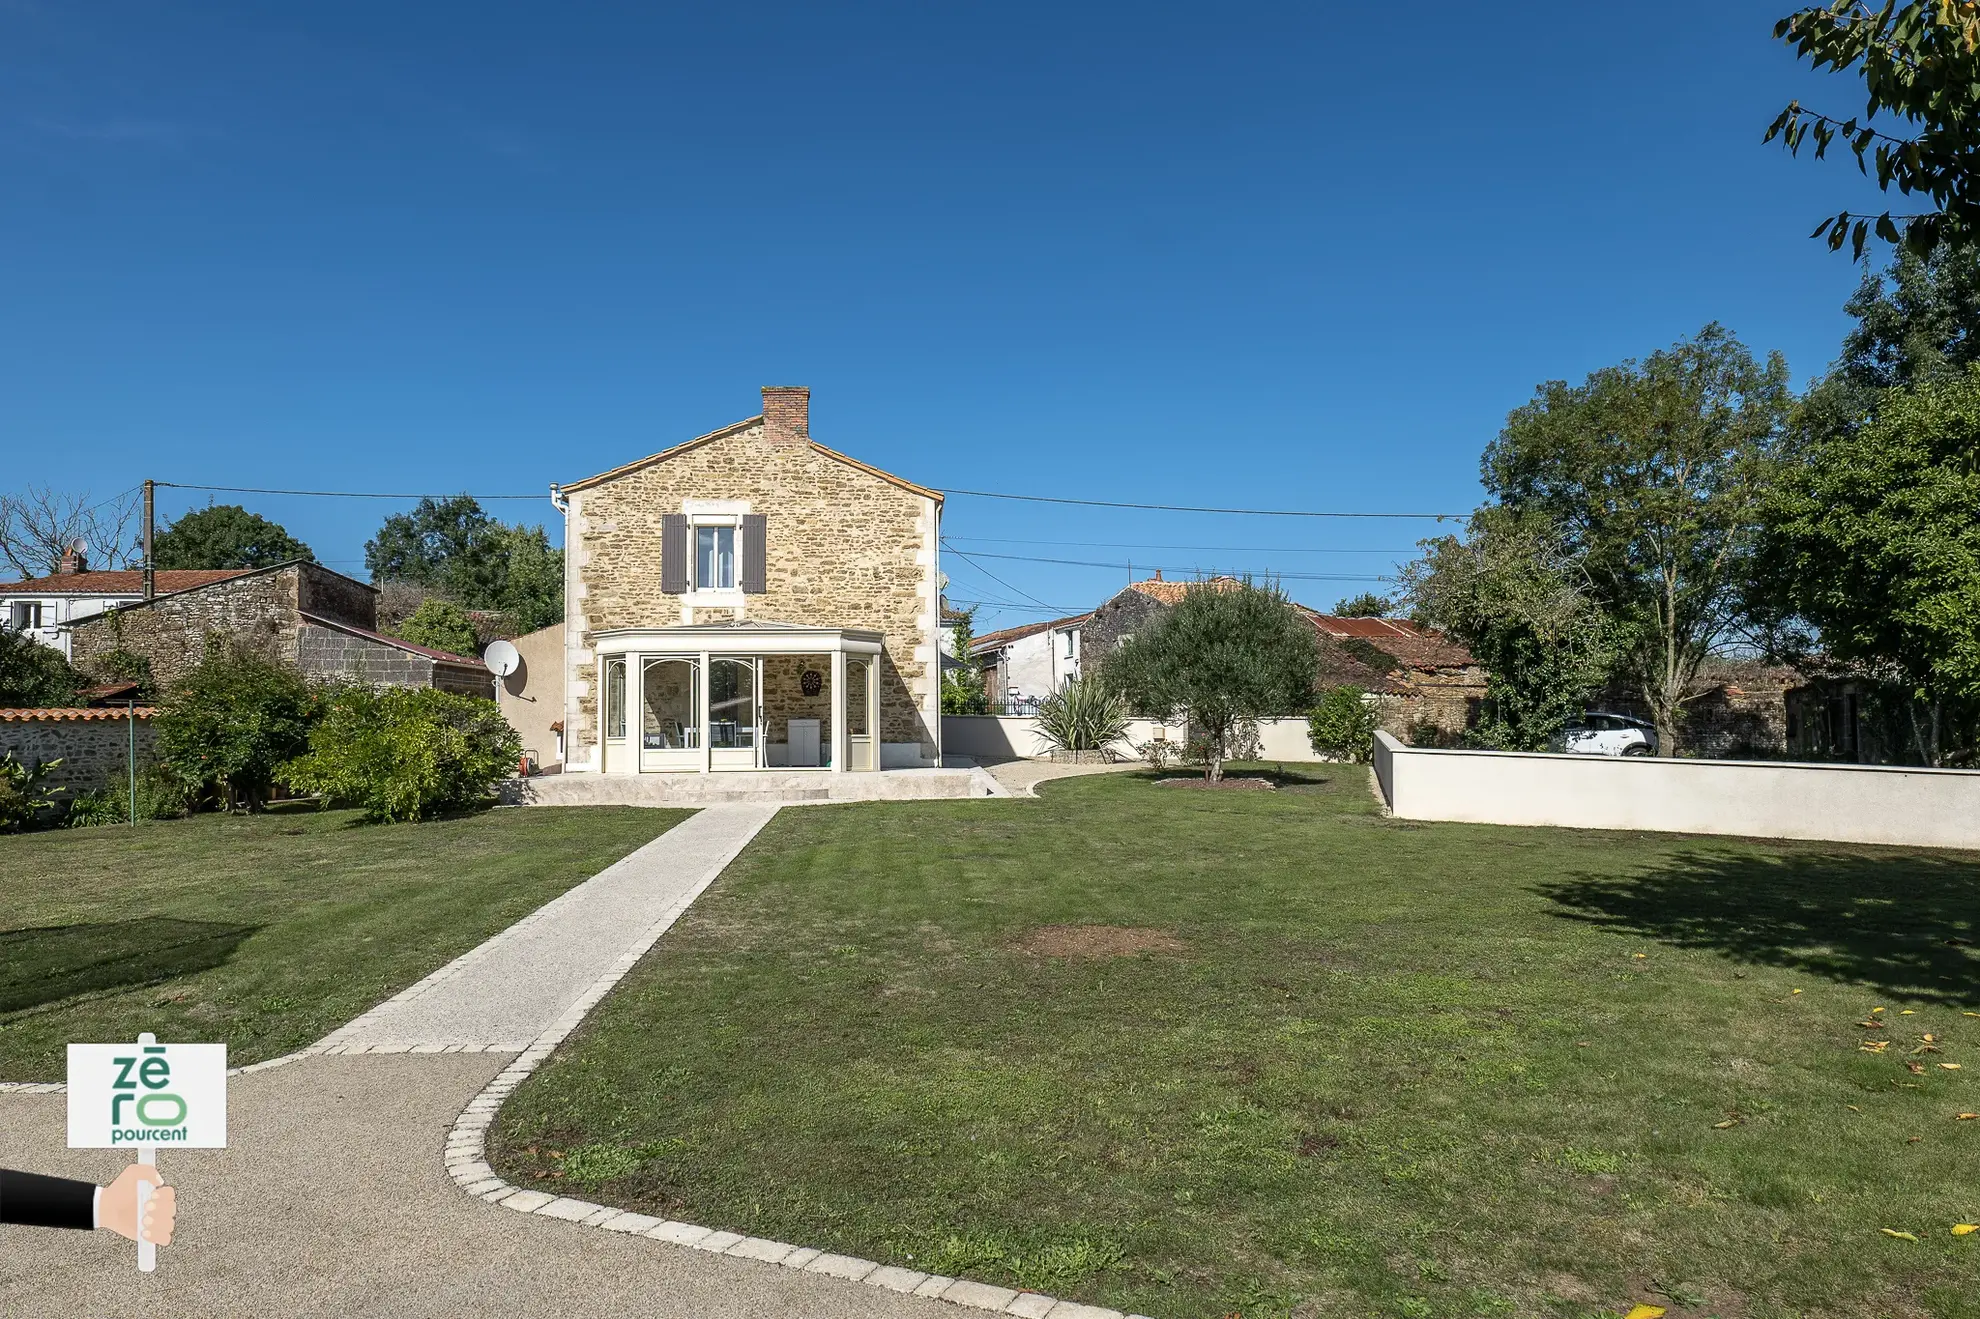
[467,1163]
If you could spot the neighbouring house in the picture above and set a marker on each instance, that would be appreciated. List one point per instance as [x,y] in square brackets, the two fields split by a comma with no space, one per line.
[751,599]
[1425,686]
[298,613]
[1023,665]
[45,608]
[1429,688]
[532,698]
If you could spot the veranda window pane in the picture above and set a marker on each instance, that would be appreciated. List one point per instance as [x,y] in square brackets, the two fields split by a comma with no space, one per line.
[669,706]
[615,698]
[732,704]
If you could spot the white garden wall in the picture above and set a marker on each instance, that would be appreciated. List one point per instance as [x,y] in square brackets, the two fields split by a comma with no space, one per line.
[1750,798]
[1008,737]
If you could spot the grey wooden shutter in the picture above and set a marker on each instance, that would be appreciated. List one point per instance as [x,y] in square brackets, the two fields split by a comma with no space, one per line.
[755,552]
[673,553]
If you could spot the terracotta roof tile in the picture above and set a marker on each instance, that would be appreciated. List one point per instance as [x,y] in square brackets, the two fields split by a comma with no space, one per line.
[1412,645]
[75,714]
[1001,638]
[121,581]
[1170,593]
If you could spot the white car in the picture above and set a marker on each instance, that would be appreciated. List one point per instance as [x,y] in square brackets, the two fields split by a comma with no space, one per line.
[1607,735]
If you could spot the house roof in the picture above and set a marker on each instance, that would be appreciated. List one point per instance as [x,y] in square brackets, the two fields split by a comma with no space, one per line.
[1004,637]
[1413,645]
[121,581]
[1170,593]
[444,656]
[75,714]
[737,428]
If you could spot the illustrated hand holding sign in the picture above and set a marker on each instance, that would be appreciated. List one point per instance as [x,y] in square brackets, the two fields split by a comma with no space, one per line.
[140,1096]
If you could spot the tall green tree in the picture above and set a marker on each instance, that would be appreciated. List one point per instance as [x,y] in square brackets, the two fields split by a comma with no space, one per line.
[1920,66]
[1650,476]
[441,625]
[1523,607]
[1221,659]
[225,536]
[455,548]
[1874,537]
[1366,605]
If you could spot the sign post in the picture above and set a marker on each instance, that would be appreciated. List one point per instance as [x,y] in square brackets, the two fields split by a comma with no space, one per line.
[140,1096]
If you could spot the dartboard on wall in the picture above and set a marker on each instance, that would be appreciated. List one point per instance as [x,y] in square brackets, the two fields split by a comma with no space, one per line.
[811,682]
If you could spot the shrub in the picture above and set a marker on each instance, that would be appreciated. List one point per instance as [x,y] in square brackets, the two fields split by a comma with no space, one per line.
[1083,715]
[441,625]
[406,753]
[26,800]
[125,665]
[32,674]
[1342,726]
[232,722]
[161,795]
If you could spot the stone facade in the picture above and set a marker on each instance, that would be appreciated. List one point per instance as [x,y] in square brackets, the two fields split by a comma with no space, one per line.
[846,547]
[300,614]
[93,745]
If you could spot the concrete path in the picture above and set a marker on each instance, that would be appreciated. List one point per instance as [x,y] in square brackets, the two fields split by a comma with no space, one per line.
[332,1201]
[1021,778]
[513,988]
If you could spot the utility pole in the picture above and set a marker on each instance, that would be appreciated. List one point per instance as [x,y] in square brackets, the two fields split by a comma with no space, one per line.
[150,578]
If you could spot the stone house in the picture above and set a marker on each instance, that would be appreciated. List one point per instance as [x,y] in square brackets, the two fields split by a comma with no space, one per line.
[1429,688]
[299,613]
[45,608]
[751,599]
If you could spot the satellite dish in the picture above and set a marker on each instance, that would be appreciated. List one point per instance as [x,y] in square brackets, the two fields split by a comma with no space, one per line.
[501,658]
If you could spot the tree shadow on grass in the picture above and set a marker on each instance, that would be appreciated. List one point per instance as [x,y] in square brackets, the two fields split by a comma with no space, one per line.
[1905,925]
[54,962]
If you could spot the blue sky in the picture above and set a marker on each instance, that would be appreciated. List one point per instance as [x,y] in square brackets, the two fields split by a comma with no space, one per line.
[1291,256]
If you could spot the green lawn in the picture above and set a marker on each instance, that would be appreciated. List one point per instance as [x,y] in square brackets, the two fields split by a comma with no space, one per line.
[267,931]
[1381,1068]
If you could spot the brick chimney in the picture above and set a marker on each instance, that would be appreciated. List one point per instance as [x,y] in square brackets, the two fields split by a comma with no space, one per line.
[72,561]
[787,414]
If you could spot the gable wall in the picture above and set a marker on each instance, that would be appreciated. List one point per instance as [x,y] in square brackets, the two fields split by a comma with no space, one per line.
[847,549]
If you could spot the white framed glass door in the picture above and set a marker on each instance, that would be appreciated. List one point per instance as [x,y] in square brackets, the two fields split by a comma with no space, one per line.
[735,712]
[616,756]
[669,713]
[861,744]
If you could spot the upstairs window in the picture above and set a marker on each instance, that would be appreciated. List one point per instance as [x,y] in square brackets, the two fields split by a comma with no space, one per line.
[715,558]
[23,615]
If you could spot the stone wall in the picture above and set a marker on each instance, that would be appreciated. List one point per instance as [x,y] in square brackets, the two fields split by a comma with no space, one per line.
[258,610]
[338,598]
[847,549]
[1113,622]
[784,698]
[93,749]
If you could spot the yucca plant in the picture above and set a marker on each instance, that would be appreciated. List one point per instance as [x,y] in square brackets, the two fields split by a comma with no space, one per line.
[1082,715]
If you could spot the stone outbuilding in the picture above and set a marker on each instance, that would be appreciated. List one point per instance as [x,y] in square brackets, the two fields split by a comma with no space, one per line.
[299,613]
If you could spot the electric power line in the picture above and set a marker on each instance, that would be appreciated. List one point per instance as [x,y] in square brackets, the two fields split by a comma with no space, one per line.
[1137,545]
[1192,508]
[332,494]
[993,576]
[1152,567]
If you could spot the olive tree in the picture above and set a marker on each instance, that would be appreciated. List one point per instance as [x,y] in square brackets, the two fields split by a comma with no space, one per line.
[1222,658]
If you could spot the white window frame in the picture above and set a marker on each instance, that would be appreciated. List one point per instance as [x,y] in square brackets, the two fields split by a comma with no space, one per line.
[714,513]
[36,608]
